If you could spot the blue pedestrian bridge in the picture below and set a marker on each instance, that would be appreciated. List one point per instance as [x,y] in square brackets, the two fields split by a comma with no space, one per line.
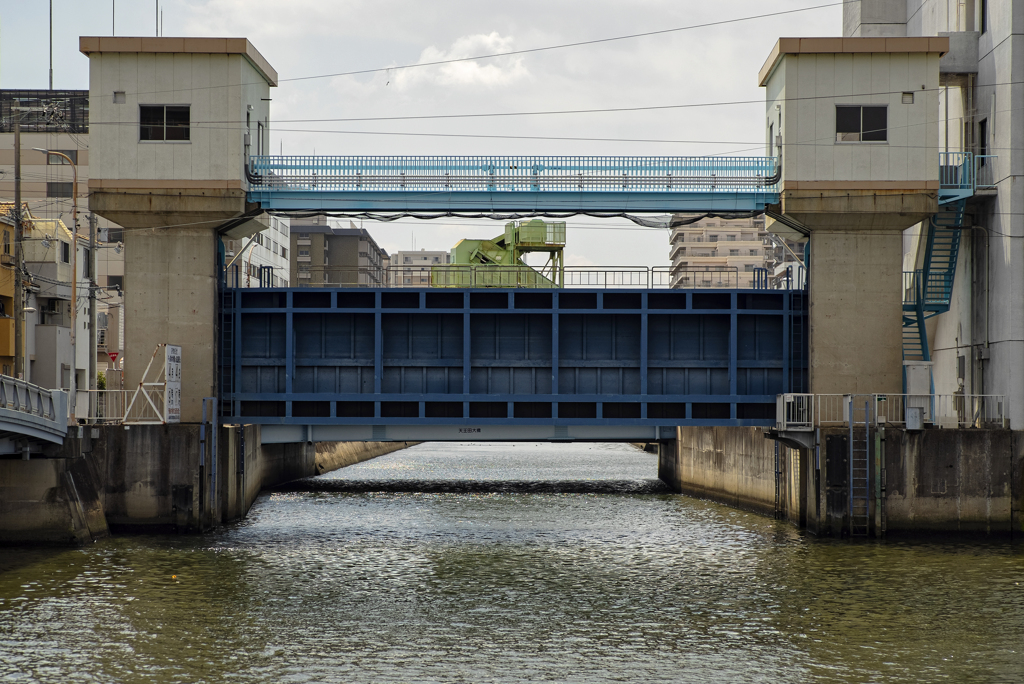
[520,184]
[503,363]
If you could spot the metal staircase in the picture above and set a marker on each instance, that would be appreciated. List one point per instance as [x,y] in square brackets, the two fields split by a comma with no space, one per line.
[927,291]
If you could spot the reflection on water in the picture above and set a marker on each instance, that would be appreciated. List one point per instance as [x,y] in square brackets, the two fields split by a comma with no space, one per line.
[502,562]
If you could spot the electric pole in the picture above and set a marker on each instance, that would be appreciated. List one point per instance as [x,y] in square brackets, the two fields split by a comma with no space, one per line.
[19,296]
[92,318]
[51,44]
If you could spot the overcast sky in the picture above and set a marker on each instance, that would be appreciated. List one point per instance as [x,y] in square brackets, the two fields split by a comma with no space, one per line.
[301,38]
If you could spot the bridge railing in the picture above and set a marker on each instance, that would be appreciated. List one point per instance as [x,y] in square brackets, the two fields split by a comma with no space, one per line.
[304,173]
[806,411]
[472,276]
[49,405]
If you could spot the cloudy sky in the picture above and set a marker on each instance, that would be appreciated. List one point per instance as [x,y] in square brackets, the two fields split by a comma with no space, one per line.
[714,66]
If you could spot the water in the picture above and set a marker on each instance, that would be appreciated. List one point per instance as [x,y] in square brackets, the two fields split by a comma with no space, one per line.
[506,563]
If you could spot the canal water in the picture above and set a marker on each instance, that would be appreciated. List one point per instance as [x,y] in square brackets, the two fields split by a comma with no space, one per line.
[508,563]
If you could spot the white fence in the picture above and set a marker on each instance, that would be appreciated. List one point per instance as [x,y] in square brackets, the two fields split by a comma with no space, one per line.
[804,412]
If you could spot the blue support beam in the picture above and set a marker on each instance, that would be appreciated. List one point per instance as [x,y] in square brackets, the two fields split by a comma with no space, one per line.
[513,184]
[463,358]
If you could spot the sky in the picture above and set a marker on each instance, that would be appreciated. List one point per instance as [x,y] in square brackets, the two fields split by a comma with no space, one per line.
[712,66]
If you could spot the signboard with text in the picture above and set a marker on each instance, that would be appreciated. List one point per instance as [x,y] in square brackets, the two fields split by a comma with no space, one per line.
[172,386]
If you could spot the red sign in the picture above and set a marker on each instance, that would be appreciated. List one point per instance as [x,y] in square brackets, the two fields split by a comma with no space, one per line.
[113,356]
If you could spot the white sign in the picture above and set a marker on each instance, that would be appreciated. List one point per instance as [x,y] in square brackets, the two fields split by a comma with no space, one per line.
[172,386]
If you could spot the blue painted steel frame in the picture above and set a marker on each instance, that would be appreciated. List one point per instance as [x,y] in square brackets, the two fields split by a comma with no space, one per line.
[618,341]
[513,184]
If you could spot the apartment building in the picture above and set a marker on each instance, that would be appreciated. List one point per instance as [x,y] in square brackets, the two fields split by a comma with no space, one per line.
[412,268]
[329,252]
[263,259]
[714,252]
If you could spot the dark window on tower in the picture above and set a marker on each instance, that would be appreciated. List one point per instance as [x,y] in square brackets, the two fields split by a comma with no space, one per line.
[164,122]
[982,141]
[856,123]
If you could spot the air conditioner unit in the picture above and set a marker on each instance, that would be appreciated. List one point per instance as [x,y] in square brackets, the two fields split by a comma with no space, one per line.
[53,306]
[7,259]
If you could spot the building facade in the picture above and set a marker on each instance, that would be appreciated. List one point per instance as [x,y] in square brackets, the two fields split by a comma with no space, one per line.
[977,347]
[329,252]
[262,260]
[412,268]
[717,252]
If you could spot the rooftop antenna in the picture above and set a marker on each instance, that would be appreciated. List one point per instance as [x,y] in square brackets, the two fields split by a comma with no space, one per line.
[158,18]
[113,17]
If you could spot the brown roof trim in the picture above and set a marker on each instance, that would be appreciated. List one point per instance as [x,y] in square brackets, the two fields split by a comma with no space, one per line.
[859,185]
[806,46]
[210,46]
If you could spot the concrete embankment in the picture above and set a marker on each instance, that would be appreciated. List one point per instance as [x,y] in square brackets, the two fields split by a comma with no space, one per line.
[154,478]
[947,481]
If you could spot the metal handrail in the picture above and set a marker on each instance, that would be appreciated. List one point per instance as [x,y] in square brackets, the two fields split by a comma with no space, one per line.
[512,173]
[474,275]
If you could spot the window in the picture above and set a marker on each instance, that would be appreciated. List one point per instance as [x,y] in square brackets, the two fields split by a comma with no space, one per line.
[771,140]
[753,252]
[984,16]
[59,189]
[712,238]
[7,242]
[734,252]
[284,252]
[855,123]
[303,252]
[748,268]
[164,122]
[982,141]
[57,160]
[114,235]
[65,252]
[115,281]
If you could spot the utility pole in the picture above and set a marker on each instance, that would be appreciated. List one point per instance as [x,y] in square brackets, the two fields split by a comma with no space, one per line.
[19,295]
[92,318]
[51,44]
[158,18]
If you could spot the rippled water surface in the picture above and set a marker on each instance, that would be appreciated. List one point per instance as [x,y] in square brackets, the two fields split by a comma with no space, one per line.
[501,562]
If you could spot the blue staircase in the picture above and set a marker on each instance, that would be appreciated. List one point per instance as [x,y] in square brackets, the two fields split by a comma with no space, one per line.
[928,290]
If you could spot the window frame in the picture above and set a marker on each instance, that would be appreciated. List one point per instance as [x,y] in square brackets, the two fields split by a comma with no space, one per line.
[860,133]
[164,140]
[57,160]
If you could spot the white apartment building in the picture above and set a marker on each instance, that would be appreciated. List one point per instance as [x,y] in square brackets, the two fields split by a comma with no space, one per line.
[267,250]
[716,252]
[412,268]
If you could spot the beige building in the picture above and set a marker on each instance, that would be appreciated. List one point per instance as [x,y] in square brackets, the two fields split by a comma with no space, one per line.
[715,252]
[412,268]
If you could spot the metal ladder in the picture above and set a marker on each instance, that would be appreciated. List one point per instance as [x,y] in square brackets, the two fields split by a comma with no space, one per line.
[860,469]
[798,345]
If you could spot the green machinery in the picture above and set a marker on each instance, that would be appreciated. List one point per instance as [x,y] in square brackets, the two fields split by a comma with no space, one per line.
[498,262]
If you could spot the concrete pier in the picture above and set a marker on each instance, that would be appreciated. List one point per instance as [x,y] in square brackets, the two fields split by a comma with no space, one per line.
[962,481]
[151,479]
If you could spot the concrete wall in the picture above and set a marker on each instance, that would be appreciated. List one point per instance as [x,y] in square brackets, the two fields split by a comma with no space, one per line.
[855,312]
[734,466]
[153,478]
[810,86]
[217,87]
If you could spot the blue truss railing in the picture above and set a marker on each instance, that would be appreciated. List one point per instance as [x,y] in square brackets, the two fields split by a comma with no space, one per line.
[513,173]
[529,185]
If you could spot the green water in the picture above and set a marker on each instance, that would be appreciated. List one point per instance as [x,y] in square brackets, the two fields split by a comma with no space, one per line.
[502,563]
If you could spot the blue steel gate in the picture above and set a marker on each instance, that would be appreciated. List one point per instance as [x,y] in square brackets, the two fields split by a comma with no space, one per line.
[360,364]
